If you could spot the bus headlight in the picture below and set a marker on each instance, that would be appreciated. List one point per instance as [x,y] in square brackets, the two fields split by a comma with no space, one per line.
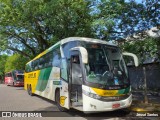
[95,96]
[92,95]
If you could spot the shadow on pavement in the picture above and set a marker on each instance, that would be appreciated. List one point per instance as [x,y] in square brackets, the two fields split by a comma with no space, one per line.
[19,88]
[53,111]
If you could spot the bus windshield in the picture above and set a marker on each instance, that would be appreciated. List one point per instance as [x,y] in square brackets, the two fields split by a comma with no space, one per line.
[8,75]
[20,77]
[105,65]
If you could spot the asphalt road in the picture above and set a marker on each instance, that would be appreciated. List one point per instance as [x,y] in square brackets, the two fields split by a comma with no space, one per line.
[16,99]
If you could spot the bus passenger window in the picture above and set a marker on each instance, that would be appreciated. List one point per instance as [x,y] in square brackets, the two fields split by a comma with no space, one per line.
[28,67]
[64,73]
[66,47]
[41,62]
[56,59]
[32,66]
[36,62]
[50,57]
[46,60]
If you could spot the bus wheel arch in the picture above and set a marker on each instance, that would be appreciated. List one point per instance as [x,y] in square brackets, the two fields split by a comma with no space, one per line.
[57,100]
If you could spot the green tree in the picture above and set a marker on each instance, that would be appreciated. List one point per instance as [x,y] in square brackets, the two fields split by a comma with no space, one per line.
[105,17]
[2,66]
[144,49]
[29,27]
[15,62]
[117,19]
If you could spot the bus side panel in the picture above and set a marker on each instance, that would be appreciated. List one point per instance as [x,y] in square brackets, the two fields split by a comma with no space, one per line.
[48,81]
[31,78]
[53,83]
[43,79]
[25,80]
[8,80]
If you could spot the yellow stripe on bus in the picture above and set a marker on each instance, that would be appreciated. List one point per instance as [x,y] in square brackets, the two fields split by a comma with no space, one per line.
[101,92]
[41,54]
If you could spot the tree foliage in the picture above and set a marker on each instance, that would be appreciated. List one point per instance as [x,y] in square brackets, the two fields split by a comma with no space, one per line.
[15,62]
[117,19]
[29,27]
[146,50]
[2,66]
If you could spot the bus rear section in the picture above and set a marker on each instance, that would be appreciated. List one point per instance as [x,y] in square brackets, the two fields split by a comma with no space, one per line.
[15,78]
[8,79]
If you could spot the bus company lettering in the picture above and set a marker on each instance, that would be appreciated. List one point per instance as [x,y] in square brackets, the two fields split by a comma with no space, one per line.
[105,92]
[108,93]
[32,75]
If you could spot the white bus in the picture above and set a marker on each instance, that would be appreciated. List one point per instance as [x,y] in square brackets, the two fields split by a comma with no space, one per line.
[86,74]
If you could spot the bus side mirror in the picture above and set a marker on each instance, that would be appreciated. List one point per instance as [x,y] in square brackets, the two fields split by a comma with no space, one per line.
[83,52]
[135,58]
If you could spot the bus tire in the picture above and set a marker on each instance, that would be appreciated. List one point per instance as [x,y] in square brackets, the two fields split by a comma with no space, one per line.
[13,84]
[57,99]
[30,90]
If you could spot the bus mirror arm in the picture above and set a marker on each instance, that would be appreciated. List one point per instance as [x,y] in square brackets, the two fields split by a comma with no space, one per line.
[134,57]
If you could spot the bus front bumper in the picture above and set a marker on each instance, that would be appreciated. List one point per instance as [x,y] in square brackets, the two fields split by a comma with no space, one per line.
[19,84]
[94,105]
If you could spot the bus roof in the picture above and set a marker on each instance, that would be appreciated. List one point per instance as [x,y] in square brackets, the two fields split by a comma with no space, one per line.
[63,41]
[69,39]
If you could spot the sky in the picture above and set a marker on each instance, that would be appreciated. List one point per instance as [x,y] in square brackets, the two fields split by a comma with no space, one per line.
[138,1]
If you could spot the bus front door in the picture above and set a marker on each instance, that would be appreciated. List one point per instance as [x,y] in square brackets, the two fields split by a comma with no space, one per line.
[76,81]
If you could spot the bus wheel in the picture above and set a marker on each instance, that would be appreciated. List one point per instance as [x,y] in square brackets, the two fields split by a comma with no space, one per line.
[57,99]
[29,88]
[13,84]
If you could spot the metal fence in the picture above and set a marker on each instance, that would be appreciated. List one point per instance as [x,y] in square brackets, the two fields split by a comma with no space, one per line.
[136,75]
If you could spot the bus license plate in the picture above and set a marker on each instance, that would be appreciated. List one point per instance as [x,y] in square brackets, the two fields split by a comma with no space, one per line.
[117,105]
